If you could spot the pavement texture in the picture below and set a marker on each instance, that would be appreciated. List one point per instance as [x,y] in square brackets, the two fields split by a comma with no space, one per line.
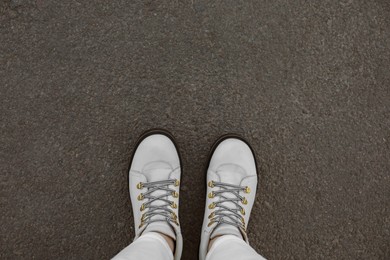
[306,82]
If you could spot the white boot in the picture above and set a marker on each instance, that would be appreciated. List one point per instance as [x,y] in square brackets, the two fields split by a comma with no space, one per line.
[231,190]
[154,183]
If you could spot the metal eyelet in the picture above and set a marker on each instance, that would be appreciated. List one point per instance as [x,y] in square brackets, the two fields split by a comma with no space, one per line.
[242,211]
[244,201]
[212,214]
[212,205]
[173,205]
[140,196]
[175,194]
[211,222]
[140,185]
[177,183]
[142,207]
[211,195]
[211,184]
[247,189]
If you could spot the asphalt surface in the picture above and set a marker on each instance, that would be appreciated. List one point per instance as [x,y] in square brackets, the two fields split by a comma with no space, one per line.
[306,82]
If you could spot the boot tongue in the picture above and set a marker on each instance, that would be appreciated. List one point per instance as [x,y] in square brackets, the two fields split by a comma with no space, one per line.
[158,174]
[158,171]
[231,174]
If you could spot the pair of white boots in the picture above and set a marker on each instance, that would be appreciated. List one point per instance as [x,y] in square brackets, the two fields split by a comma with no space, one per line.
[154,183]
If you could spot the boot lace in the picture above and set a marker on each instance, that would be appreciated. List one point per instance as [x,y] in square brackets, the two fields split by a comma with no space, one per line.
[224,214]
[163,210]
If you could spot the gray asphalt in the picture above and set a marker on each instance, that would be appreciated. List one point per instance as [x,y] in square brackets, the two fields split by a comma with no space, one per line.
[306,82]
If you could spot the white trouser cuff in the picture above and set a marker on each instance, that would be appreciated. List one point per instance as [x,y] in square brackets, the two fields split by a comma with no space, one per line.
[148,246]
[230,247]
